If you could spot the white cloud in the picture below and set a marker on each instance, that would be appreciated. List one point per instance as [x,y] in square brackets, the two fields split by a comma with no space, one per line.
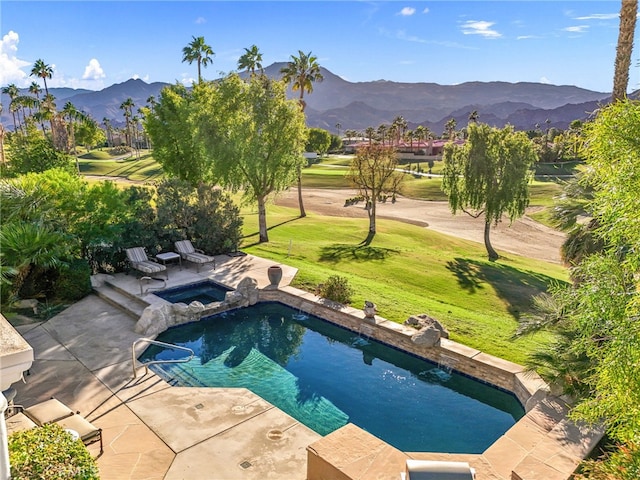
[544,79]
[482,28]
[93,71]
[200,20]
[426,10]
[599,16]
[407,11]
[10,65]
[577,29]
[525,37]
[135,76]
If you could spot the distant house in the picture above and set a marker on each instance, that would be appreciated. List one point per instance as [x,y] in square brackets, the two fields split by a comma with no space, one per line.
[429,148]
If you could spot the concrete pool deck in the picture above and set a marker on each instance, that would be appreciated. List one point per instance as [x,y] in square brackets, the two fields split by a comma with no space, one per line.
[155,431]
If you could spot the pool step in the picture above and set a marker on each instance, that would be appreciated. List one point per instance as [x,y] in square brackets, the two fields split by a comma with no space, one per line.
[125,301]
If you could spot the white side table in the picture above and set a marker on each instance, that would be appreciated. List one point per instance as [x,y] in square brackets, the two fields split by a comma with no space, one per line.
[169,257]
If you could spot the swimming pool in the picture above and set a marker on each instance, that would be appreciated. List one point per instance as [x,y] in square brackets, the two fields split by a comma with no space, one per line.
[204,292]
[326,376]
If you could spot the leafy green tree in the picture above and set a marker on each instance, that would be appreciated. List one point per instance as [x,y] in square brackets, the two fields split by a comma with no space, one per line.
[373,172]
[173,127]
[336,143]
[89,134]
[319,141]
[251,60]
[34,153]
[489,175]
[253,136]
[301,72]
[198,51]
[600,309]
[203,214]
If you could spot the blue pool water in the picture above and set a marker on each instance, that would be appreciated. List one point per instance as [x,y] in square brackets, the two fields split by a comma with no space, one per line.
[203,292]
[326,376]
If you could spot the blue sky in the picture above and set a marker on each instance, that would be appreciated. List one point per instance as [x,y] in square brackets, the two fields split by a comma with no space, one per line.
[93,44]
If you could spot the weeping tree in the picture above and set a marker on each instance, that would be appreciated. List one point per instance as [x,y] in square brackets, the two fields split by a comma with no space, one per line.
[489,175]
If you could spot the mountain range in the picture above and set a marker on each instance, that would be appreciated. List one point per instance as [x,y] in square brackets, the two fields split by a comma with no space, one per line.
[358,105]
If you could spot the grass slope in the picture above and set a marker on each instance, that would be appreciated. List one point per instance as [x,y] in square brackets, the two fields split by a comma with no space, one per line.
[410,270]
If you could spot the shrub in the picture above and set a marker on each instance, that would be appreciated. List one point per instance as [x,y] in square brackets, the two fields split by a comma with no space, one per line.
[74,282]
[50,453]
[620,464]
[337,289]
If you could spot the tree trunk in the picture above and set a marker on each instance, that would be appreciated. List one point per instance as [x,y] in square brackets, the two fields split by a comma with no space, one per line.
[302,212]
[262,220]
[372,216]
[493,255]
[628,13]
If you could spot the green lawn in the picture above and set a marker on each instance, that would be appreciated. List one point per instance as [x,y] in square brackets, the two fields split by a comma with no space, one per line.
[145,169]
[410,270]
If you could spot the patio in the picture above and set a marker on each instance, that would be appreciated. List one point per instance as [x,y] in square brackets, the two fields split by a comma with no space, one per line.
[153,430]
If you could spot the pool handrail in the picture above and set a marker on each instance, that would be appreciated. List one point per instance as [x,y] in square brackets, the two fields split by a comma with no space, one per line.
[155,362]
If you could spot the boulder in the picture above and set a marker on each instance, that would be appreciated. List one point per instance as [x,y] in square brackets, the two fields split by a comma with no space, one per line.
[154,320]
[248,288]
[427,337]
[423,320]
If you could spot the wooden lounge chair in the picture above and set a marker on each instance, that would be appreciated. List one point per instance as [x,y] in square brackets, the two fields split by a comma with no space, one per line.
[139,261]
[189,253]
[54,411]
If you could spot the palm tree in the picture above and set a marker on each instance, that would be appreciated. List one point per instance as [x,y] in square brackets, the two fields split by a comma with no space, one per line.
[109,129]
[13,92]
[301,72]
[251,60]
[127,108]
[48,111]
[450,128]
[338,127]
[370,132]
[198,51]
[26,245]
[35,89]
[42,70]
[72,115]
[382,132]
[628,14]
[473,116]
[401,125]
